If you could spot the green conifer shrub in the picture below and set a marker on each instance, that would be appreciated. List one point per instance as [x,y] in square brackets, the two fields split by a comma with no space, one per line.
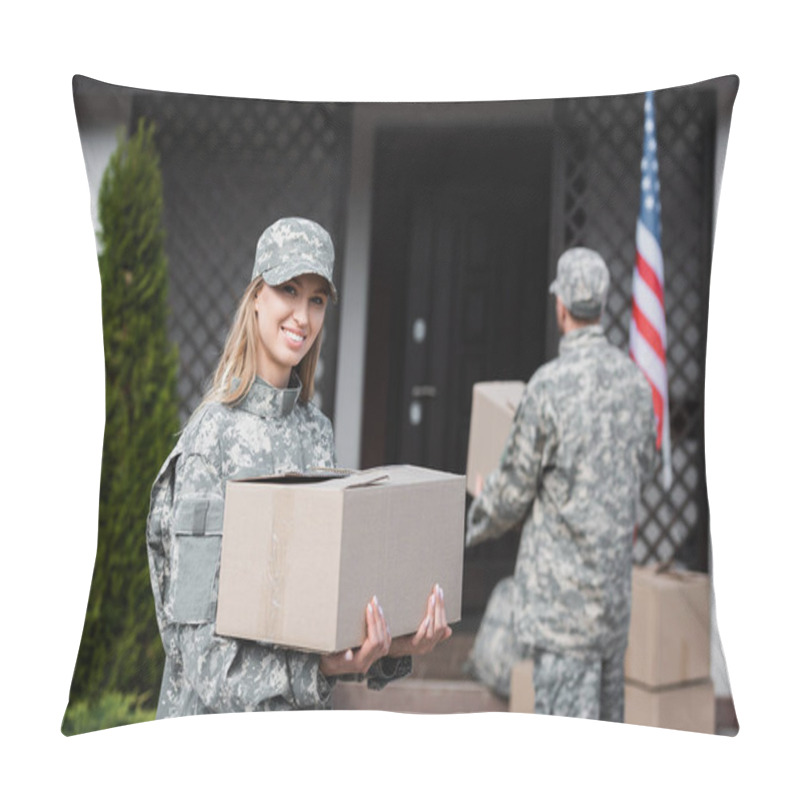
[109,711]
[120,650]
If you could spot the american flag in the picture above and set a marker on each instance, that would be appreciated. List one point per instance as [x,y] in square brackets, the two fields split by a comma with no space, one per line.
[648,329]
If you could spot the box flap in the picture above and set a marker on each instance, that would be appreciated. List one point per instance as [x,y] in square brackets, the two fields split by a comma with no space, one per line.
[314,475]
[368,477]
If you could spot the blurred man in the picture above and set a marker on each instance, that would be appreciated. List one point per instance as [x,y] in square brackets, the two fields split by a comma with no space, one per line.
[581,445]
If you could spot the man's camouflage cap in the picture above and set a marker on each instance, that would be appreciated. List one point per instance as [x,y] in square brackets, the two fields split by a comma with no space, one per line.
[294,246]
[581,282]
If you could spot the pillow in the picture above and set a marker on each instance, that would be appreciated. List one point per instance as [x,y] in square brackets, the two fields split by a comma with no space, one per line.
[443,216]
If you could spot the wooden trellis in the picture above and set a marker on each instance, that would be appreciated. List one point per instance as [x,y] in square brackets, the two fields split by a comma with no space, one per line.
[231,167]
[598,154]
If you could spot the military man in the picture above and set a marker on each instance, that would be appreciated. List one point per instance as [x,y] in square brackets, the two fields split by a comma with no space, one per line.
[581,445]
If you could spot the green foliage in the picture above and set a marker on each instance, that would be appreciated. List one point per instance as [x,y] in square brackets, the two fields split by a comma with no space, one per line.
[121,649]
[109,711]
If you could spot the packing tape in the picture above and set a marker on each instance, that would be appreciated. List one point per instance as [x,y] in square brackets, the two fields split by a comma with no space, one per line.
[276,560]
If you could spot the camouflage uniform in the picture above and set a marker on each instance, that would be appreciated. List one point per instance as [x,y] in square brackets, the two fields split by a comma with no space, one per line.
[582,442]
[496,649]
[268,432]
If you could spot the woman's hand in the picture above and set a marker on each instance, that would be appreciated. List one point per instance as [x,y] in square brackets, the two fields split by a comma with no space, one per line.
[375,646]
[432,630]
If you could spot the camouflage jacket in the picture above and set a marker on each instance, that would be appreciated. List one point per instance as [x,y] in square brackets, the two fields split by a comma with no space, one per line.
[581,445]
[268,432]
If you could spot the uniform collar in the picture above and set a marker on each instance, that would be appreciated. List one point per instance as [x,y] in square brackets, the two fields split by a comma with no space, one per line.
[265,400]
[581,337]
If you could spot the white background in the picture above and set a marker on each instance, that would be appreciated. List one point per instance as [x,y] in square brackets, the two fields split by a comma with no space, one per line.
[53,384]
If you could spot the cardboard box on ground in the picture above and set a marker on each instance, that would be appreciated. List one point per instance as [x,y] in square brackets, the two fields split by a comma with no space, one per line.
[670,640]
[494,404]
[521,697]
[683,707]
[667,664]
[303,555]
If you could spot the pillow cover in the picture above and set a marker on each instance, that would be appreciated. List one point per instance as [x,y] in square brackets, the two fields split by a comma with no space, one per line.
[447,221]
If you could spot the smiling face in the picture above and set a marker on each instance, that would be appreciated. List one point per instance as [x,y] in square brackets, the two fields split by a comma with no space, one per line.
[289,319]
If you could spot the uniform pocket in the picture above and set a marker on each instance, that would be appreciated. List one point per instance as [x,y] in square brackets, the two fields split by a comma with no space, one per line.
[196,547]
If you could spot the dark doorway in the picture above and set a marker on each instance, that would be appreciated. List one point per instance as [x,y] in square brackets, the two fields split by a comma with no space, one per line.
[458,293]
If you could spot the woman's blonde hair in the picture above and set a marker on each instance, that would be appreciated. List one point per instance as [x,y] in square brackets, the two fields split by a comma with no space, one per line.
[236,369]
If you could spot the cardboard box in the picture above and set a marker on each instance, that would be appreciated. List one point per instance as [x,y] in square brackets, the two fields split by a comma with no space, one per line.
[670,636]
[521,696]
[302,556]
[493,407]
[687,707]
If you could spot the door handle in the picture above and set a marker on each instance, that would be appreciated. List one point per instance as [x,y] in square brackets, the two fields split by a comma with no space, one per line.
[423,391]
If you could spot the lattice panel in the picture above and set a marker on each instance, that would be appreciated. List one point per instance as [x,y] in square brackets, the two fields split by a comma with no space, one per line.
[231,167]
[599,148]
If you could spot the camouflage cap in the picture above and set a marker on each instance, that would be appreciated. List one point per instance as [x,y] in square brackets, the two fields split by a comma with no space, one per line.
[294,246]
[581,282]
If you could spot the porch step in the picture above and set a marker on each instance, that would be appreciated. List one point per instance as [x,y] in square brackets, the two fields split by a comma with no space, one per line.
[437,685]
[446,660]
[418,696]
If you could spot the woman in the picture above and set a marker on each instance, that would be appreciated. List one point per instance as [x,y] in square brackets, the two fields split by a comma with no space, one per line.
[257,419]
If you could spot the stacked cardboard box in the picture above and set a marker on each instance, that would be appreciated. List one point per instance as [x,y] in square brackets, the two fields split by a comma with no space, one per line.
[521,695]
[493,406]
[302,556]
[668,662]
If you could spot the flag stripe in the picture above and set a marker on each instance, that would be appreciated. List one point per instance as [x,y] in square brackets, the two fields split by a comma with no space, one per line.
[649,306]
[648,275]
[650,249]
[648,332]
[658,407]
[648,362]
[648,324]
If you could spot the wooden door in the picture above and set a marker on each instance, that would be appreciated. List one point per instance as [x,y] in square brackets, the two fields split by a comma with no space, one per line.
[470,303]
[458,294]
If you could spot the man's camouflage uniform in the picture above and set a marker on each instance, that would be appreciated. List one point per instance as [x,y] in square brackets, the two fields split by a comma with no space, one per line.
[268,432]
[582,442]
[496,649]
